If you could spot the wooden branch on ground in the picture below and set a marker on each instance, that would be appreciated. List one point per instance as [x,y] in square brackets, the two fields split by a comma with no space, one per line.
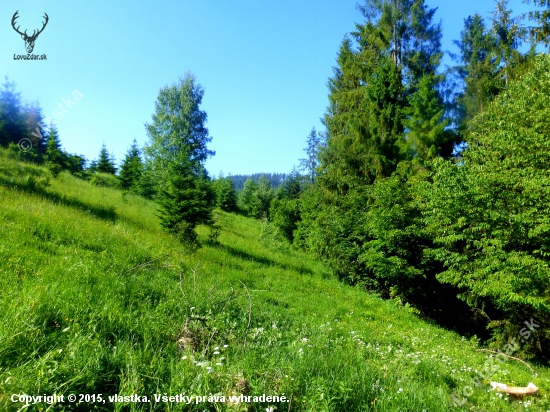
[511,357]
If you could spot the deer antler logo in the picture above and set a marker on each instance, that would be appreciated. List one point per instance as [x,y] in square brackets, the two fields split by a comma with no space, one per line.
[29,40]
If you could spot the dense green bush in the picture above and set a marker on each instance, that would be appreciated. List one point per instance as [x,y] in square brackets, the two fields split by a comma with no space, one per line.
[333,229]
[489,214]
[285,214]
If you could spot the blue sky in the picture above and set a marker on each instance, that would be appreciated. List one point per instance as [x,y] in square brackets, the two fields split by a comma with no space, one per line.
[263,64]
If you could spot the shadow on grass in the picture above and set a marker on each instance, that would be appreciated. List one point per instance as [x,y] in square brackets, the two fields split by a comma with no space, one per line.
[101,212]
[262,260]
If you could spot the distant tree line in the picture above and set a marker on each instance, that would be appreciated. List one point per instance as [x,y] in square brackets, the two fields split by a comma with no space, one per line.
[275,179]
[24,133]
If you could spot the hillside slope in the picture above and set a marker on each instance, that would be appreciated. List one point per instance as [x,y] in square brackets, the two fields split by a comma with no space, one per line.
[96,299]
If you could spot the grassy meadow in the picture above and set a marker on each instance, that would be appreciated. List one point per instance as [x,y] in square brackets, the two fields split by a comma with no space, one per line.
[96,299]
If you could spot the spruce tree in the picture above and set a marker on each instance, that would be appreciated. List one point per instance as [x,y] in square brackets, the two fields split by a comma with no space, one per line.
[175,154]
[226,195]
[92,167]
[12,118]
[247,196]
[292,186]
[105,162]
[508,38]
[262,198]
[186,200]
[131,169]
[55,156]
[489,217]
[310,164]
[256,197]
[489,59]
[388,60]
[540,32]
[428,135]
[385,106]
[76,164]
[478,69]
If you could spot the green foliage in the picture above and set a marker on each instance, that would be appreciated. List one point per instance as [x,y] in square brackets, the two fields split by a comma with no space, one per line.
[246,196]
[12,116]
[489,215]
[255,198]
[177,123]
[15,152]
[215,232]
[428,135]
[76,165]
[55,156]
[104,180]
[285,214]
[131,170]
[175,154]
[185,201]
[508,37]
[384,97]
[274,178]
[148,186]
[384,106]
[364,121]
[34,120]
[273,237]
[185,233]
[311,162]
[284,210]
[292,186]
[540,32]
[333,229]
[22,125]
[490,58]
[392,255]
[226,195]
[262,198]
[105,162]
[478,71]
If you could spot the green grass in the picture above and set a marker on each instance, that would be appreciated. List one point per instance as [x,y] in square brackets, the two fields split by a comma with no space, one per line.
[96,298]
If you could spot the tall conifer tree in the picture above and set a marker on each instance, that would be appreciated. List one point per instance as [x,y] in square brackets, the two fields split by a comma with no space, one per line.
[105,162]
[131,169]
[12,119]
[311,162]
[175,154]
[540,31]
[385,106]
[56,159]
[226,195]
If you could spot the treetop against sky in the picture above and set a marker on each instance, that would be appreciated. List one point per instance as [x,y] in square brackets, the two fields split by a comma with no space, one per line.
[264,67]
